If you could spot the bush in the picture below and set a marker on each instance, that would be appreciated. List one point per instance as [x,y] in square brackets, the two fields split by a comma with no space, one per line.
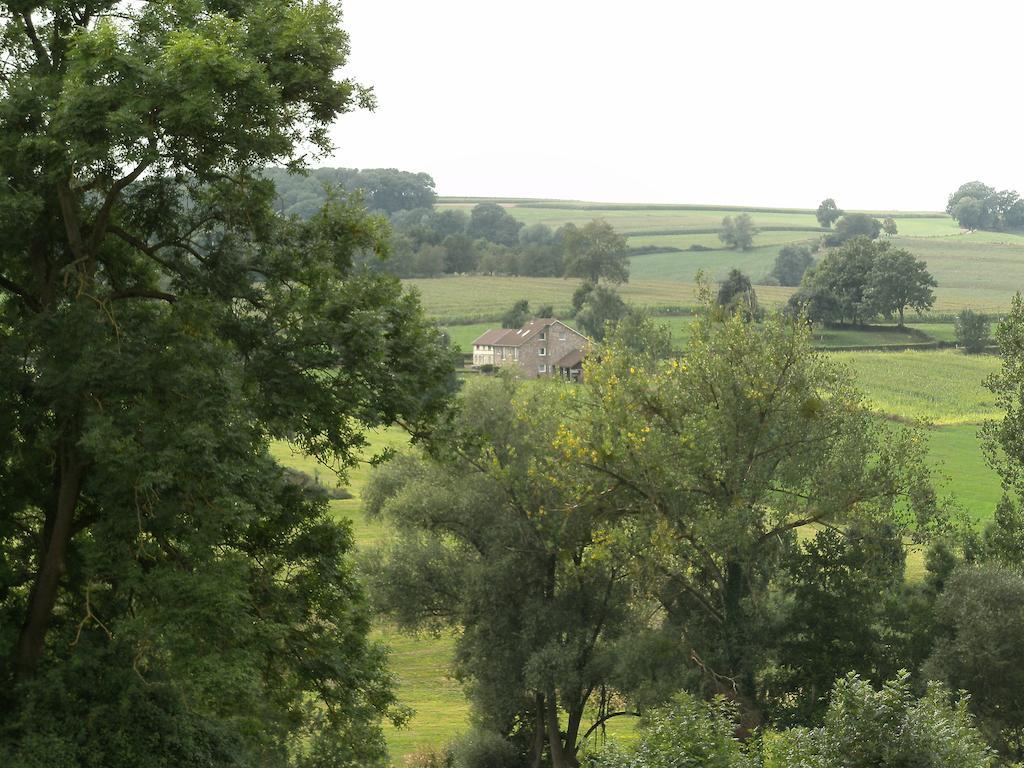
[484,749]
[699,247]
[973,331]
[890,728]
[687,732]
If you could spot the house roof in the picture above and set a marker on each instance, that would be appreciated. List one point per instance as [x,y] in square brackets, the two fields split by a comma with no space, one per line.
[572,359]
[491,336]
[514,337]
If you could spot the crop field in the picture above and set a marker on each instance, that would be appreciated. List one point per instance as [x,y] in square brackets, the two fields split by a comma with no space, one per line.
[482,298]
[942,387]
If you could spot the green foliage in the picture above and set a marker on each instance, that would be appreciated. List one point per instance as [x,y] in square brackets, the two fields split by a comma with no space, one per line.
[383,189]
[981,648]
[728,451]
[978,206]
[595,252]
[737,296]
[687,732]
[867,278]
[973,331]
[600,308]
[483,749]
[828,212]
[167,596]
[887,728]
[854,225]
[839,588]
[898,281]
[889,226]
[791,263]
[497,538]
[738,232]
[492,222]
[518,315]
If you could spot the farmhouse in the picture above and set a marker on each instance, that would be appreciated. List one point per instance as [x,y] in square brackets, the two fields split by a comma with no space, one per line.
[543,347]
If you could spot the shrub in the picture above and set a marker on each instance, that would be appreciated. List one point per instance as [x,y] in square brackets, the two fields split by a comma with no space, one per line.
[686,732]
[480,748]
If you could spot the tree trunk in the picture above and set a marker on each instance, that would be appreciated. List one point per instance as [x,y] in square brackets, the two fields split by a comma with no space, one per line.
[537,750]
[560,757]
[901,317]
[43,597]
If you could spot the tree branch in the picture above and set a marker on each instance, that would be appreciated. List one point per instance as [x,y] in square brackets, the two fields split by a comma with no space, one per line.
[37,45]
[602,720]
[143,293]
[13,287]
[99,229]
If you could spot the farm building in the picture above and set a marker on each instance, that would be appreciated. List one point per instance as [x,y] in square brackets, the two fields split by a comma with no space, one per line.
[543,347]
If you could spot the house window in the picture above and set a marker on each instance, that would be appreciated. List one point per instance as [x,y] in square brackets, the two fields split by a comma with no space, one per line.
[542,368]
[542,351]
[543,335]
[561,334]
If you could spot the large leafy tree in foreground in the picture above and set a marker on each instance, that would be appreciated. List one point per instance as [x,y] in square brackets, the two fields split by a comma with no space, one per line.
[726,453]
[165,595]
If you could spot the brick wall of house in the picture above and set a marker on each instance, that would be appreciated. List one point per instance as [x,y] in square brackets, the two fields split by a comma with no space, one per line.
[555,348]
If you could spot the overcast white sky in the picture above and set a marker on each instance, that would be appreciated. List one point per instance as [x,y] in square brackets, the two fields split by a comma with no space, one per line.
[887,105]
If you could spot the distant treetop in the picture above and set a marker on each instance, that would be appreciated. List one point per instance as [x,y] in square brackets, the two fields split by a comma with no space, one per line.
[384,189]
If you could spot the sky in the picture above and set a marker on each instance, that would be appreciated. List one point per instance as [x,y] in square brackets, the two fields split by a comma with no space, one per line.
[879,105]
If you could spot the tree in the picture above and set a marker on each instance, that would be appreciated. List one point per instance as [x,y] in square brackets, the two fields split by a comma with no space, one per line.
[839,588]
[165,591]
[383,189]
[724,453]
[518,315]
[736,295]
[854,225]
[978,206]
[791,263]
[844,273]
[889,226]
[460,255]
[600,308]
[595,252]
[972,331]
[899,280]
[496,538]
[492,222]
[828,212]
[981,648]
[738,233]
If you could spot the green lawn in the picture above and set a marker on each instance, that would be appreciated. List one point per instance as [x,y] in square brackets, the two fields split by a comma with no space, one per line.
[938,331]
[955,452]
